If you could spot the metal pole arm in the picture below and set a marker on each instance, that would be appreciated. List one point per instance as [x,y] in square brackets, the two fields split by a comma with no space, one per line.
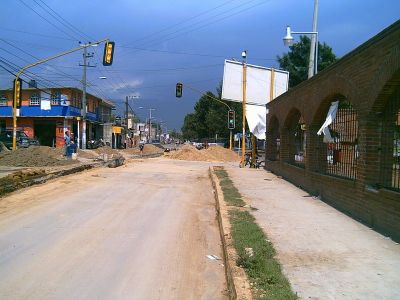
[304,32]
[58,55]
[35,64]
[204,94]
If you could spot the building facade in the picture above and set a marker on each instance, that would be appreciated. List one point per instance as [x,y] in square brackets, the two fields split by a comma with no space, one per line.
[47,113]
[355,165]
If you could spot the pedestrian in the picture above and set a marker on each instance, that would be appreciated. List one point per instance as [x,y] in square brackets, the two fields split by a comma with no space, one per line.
[67,142]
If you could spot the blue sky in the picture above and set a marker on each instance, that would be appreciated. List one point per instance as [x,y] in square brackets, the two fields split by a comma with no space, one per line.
[159,43]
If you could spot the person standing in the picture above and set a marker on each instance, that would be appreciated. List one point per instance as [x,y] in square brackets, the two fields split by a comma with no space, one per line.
[67,143]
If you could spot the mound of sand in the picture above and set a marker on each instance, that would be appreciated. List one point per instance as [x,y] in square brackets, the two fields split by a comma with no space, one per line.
[35,156]
[147,149]
[217,153]
[222,154]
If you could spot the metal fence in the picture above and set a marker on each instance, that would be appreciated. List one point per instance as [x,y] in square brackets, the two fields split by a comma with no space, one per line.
[390,144]
[343,151]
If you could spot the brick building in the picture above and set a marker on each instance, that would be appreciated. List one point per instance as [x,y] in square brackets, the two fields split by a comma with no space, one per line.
[63,112]
[358,169]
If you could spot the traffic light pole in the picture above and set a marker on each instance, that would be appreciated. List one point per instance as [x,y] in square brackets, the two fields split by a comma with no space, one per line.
[14,145]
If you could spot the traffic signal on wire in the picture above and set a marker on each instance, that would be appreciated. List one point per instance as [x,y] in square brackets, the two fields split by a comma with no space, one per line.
[178,91]
[108,53]
[17,92]
[231,119]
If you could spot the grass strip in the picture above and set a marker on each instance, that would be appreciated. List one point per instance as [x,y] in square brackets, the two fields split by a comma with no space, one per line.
[231,193]
[265,274]
[255,252]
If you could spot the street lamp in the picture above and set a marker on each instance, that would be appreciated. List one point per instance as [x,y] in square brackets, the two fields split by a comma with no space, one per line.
[289,41]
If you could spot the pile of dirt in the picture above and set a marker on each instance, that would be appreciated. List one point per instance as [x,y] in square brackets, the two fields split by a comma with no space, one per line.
[217,153]
[87,153]
[147,149]
[107,150]
[222,154]
[35,156]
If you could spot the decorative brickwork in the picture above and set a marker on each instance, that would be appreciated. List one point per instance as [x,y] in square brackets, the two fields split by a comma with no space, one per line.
[358,172]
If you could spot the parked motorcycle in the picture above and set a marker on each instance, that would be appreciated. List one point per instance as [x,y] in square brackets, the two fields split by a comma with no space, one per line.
[94,144]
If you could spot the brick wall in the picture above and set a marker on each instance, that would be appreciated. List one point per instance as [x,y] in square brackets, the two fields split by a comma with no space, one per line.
[369,78]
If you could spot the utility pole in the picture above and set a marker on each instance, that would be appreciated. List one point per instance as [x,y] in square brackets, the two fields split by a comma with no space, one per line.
[150,109]
[126,114]
[86,55]
[312,67]
[244,56]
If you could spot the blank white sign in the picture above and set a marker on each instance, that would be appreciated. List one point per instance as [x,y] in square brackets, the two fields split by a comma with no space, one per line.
[258,83]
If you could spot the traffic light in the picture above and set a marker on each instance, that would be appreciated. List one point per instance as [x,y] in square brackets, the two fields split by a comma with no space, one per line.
[17,92]
[231,119]
[108,53]
[178,91]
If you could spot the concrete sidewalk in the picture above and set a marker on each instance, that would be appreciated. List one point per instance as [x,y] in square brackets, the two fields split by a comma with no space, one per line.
[324,253]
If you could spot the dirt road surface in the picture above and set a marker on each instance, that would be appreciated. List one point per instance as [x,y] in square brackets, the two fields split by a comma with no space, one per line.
[137,232]
[324,253]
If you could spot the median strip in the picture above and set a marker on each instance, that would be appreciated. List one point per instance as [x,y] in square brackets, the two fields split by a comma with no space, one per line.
[251,250]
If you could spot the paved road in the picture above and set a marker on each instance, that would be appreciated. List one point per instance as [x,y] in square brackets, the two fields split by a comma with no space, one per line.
[137,232]
[324,253]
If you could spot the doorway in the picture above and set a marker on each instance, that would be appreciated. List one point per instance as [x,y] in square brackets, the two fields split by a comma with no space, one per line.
[45,132]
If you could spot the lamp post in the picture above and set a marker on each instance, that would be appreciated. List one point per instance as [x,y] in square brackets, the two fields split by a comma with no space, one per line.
[288,41]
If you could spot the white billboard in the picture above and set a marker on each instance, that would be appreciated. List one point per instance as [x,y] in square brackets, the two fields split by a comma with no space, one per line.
[258,83]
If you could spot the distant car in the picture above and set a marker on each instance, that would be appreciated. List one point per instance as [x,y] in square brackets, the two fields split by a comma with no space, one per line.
[6,137]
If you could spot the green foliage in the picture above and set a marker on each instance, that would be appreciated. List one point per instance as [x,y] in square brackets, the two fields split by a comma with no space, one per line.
[263,270]
[210,117]
[297,59]
[231,193]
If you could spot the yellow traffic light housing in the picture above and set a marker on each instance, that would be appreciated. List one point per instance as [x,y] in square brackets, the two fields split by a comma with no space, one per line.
[108,53]
[178,91]
[17,93]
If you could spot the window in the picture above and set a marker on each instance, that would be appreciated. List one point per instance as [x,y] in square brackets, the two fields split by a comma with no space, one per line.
[390,144]
[34,99]
[55,98]
[3,100]
[299,143]
[296,138]
[342,149]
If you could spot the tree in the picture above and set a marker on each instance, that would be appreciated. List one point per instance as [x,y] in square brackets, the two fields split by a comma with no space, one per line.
[297,59]
[210,118]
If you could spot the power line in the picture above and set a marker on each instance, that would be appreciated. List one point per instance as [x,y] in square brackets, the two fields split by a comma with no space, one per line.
[182,22]
[163,39]
[44,18]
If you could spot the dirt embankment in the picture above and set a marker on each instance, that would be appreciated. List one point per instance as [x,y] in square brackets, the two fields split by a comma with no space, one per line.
[214,153]
[34,156]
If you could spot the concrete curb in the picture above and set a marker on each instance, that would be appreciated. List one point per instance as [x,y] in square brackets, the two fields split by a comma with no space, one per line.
[228,268]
